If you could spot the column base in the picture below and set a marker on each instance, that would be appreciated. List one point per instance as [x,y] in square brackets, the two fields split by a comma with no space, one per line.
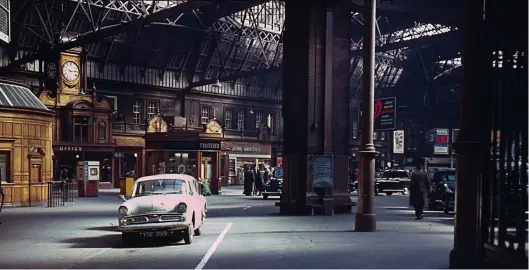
[365,222]
[462,259]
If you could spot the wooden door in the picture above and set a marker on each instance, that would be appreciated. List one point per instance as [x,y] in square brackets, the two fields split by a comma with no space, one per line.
[205,169]
[35,173]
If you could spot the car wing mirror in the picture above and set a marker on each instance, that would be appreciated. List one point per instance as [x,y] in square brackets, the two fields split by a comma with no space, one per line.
[122,197]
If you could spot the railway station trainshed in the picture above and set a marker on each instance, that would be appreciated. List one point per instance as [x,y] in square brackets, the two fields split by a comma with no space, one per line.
[289,76]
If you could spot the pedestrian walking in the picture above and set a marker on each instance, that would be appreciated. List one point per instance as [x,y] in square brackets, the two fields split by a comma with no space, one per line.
[248,181]
[419,187]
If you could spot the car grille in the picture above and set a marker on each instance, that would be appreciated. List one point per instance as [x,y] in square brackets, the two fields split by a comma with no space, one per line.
[153,219]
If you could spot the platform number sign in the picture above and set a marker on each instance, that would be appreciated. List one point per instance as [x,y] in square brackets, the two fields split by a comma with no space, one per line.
[441,141]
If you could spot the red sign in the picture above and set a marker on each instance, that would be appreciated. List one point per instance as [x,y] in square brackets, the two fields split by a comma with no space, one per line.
[441,139]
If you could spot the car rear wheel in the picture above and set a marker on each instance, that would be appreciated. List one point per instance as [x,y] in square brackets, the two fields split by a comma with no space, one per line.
[198,231]
[389,193]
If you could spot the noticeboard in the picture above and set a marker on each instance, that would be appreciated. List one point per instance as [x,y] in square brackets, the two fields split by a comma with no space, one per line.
[322,171]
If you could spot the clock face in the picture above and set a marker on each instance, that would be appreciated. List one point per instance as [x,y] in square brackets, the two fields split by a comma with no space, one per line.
[51,70]
[70,71]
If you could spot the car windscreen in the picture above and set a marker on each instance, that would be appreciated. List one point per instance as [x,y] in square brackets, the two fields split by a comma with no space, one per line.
[160,186]
[395,174]
[278,173]
[447,177]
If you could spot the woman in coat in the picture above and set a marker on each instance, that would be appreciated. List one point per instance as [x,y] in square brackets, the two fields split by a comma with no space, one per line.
[248,181]
[419,187]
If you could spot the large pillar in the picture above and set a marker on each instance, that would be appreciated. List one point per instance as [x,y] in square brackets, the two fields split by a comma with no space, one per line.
[467,219]
[316,56]
[365,219]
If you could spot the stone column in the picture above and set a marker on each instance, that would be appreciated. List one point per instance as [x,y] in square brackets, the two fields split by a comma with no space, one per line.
[315,97]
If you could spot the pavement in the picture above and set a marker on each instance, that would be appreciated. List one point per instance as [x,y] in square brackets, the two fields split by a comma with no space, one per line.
[240,232]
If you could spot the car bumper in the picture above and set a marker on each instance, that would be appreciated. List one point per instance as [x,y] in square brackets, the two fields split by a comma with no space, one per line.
[166,226]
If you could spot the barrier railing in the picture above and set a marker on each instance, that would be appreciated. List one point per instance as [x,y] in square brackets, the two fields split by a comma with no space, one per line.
[60,192]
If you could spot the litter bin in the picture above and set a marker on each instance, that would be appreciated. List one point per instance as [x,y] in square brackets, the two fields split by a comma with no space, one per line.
[91,188]
[125,186]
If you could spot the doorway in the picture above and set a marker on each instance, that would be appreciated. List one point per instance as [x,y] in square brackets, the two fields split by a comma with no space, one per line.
[35,173]
[206,168]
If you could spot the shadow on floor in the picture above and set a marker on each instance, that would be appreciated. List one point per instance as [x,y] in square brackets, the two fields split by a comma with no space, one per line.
[114,241]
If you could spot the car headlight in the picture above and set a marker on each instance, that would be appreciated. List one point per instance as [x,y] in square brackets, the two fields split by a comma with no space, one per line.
[181,208]
[123,211]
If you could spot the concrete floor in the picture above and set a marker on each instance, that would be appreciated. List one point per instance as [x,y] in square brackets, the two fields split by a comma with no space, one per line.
[81,235]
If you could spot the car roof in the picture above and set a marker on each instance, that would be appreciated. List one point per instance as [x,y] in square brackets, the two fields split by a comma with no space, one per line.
[178,176]
[445,170]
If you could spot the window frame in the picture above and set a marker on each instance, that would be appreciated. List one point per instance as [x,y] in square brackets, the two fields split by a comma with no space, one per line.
[205,119]
[8,166]
[136,115]
[354,133]
[228,125]
[156,109]
[259,121]
[88,127]
[240,120]
[102,126]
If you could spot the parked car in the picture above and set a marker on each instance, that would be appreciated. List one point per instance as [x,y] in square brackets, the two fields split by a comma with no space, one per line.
[392,181]
[273,187]
[163,205]
[441,194]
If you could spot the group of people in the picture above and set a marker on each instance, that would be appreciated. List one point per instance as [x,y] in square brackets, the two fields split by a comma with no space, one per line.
[254,179]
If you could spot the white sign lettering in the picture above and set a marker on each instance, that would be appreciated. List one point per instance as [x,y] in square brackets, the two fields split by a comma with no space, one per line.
[71,148]
[209,145]
[246,149]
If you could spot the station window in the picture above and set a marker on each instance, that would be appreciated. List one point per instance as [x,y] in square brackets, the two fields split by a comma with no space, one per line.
[205,112]
[136,112]
[82,128]
[383,136]
[375,135]
[5,166]
[258,119]
[228,117]
[270,123]
[153,107]
[102,132]
[240,119]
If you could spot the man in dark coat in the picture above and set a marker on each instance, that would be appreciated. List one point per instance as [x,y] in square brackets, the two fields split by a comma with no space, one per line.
[419,187]
[248,181]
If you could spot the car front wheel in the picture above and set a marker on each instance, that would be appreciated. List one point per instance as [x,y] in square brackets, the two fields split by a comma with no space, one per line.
[188,234]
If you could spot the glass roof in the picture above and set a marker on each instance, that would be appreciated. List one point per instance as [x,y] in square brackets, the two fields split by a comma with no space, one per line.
[19,97]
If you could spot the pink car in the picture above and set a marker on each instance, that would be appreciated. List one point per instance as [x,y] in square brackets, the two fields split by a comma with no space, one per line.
[164,205]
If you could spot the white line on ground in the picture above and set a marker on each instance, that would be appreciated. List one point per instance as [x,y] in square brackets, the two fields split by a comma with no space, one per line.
[247,207]
[213,247]
[88,258]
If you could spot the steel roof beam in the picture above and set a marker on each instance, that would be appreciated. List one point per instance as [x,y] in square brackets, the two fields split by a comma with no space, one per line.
[108,31]
[237,75]
[426,40]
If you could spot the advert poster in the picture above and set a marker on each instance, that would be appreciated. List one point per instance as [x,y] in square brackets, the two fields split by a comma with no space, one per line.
[398,142]
[384,114]
[279,162]
[441,141]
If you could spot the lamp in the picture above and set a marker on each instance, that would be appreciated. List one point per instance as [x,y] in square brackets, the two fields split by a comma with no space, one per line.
[77,156]
[135,155]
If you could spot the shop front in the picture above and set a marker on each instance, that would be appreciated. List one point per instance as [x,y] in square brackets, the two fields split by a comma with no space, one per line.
[192,152]
[25,145]
[238,155]
[129,158]
[69,158]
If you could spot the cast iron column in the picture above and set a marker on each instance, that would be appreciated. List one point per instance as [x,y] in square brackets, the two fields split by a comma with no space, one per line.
[365,220]
[473,111]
